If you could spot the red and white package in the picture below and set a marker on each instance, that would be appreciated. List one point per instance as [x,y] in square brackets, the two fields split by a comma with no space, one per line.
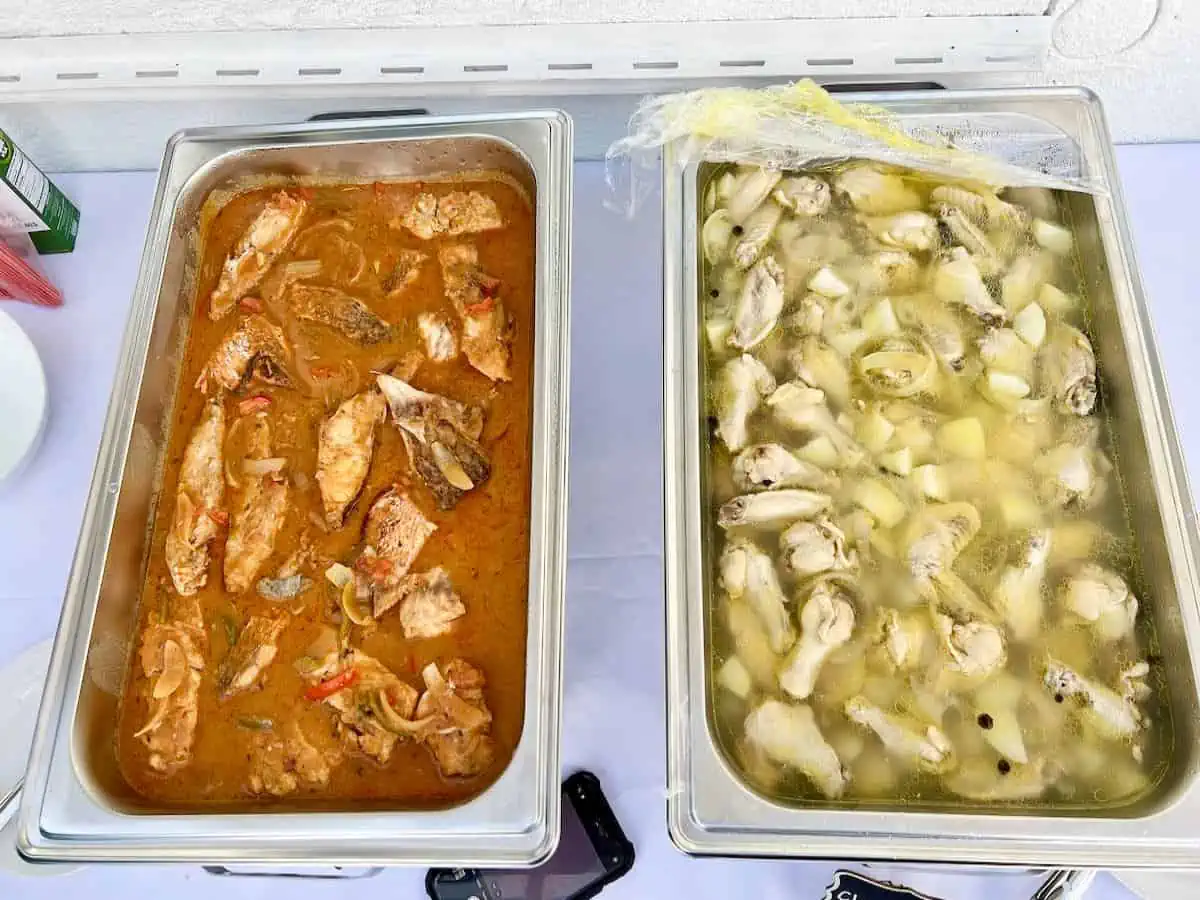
[20,281]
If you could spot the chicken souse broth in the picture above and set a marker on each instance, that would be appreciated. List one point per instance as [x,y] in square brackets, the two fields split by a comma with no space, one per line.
[924,581]
[255,725]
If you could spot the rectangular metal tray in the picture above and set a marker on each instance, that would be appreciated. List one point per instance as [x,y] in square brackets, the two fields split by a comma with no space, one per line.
[76,804]
[710,809]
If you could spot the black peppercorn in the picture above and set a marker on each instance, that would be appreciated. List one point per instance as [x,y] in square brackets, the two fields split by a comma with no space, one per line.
[1058,698]
[738,230]
[1004,766]
[985,721]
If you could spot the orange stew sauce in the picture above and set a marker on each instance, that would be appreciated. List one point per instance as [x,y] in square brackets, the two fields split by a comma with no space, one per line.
[483,542]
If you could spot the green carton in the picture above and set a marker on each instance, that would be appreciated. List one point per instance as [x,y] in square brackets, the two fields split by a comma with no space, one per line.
[29,201]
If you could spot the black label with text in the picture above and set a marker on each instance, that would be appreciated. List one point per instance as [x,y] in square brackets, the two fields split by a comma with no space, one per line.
[852,886]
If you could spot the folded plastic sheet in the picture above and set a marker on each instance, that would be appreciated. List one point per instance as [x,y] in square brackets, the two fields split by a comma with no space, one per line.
[797,125]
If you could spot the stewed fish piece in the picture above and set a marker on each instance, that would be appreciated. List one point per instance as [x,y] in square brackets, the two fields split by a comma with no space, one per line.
[268,237]
[440,343]
[369,700]
[256,646]
[199,502]
[414,409]
[260,512]
[456,213]
[429,604]
[397,530]
[336,309]
[284,763]
[441,437]
[405,273]
[448,462]
[487,326]
[344,449]
[460,723]
[256,348]
[172,662]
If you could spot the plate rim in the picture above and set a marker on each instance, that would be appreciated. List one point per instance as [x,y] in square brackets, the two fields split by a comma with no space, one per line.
[38,371]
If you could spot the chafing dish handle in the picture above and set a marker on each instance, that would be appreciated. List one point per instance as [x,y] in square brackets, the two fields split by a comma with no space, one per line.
[1065,884]
[317,872]
[367,114]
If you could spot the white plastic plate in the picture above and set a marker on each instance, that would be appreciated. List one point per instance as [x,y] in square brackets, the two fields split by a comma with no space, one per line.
[22,397]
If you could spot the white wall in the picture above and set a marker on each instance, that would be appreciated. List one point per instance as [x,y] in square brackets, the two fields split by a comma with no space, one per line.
[1150,81]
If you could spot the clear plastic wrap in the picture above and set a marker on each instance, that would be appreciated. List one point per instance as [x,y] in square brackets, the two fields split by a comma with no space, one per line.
[792,126]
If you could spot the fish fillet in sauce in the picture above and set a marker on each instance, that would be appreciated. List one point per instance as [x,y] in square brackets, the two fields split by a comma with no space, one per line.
[267,238]
[199,502]
[259,515]
[344,450]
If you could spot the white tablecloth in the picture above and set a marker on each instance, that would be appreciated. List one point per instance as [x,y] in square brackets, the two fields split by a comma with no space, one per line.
[614,694]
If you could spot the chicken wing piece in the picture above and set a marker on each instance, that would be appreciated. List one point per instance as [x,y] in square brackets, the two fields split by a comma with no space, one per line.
[429,605]
[256,348]
[256,646]
[741,385]
[199,499]
[172,662]
[373,706]
[1018,594]
[826,623]
[397,529]
[459,212]
[282,763]
[1069,370]
[344,450]
[906,739]
[788,734]
[1102,599]
[975,650]
[1113,714]
[765,467]
[338,310]
[258,518]
[748,573]
[459,734]
[267,238]
[487,327]
[772,509]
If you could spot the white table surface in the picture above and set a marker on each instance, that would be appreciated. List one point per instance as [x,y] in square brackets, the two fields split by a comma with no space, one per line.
[614,675]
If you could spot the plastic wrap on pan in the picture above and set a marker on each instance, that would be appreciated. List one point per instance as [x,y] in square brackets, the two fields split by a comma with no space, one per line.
[792,126]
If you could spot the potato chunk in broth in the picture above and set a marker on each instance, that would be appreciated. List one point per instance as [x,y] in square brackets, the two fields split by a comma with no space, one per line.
[926,590]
